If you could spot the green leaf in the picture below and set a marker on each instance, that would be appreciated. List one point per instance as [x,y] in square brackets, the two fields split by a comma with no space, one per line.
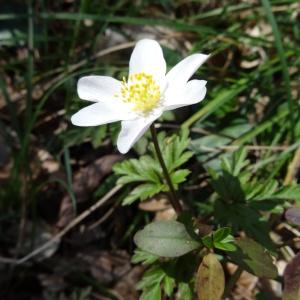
[165,238]
[133,170]
[229,188]
[143,257]
[223,240]
[208,241]
[221,234]
[289,192]
[210,280]
[168,285]
[241,216]
[225,246]
[185,291]
[174,149]
[238,162]
[151,277]
[152,293]
[252,257]
[179,176]
[143,192]
[220,239]
[147,173]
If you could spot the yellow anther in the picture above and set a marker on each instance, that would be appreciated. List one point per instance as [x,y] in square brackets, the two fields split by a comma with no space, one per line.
[141,91]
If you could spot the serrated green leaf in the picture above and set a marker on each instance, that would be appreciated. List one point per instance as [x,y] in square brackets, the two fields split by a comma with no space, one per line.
[241,216]
[229,188]
[143,192]
[152,293]
[165,238]
[289,192]
[185,291]
[179,176]
[147,172]
[181,159]
[143,257]
[168,285]
[151,277]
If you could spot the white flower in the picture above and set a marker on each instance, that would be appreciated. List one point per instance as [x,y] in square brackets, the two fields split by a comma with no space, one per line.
[147,93]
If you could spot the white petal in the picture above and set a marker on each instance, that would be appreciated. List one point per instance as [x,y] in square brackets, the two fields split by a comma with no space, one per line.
[132,130]
[193,92]
[183,71]
[100,113]
[95,88]
[147,56]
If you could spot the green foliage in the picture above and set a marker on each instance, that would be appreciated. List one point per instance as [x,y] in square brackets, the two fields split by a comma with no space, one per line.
[220,239]
[146,258]
[241,197]
[185,291]
[251,100]
[147,173]
[152,281]
[166,238]
[252,257]
[172,278]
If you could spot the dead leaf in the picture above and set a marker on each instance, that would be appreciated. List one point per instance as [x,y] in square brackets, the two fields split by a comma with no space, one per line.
[210,280]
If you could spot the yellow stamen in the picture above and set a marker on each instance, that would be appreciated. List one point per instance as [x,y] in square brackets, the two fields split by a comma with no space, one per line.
[141,91]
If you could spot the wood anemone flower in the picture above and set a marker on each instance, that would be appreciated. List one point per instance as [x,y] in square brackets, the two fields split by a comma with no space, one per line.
[138,101]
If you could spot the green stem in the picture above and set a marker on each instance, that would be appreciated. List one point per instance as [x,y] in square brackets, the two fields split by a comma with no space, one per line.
[173,199]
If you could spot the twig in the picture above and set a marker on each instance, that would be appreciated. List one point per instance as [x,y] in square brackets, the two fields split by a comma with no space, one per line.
[103,218]
[58,236]
[232,281]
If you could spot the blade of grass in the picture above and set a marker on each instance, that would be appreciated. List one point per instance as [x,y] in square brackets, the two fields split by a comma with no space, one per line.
[12,111]
[29,62]
[237,8]
[275,157]
[178,25]
[283,112]
[76,30]
[68,169]
[45,28]
[281,53]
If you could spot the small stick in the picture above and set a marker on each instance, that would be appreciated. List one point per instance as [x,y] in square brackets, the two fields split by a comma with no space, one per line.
[59,235]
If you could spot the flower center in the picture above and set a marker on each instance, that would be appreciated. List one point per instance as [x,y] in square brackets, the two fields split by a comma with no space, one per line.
[141,91]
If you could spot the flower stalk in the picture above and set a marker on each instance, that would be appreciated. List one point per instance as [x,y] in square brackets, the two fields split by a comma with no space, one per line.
[172,195]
